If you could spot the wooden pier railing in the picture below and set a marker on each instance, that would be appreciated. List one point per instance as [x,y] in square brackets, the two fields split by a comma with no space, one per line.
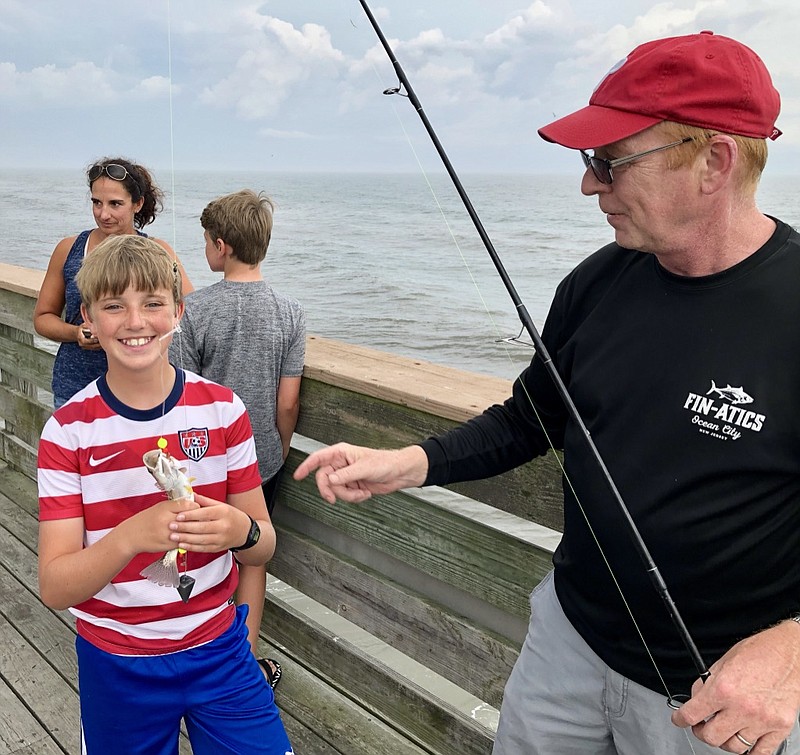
[396,621]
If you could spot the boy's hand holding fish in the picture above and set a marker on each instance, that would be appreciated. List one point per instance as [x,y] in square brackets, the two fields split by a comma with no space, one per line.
[149,531]
[205,526]
[210,527]
[170,477]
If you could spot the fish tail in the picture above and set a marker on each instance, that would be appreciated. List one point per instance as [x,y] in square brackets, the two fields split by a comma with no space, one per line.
[164,571]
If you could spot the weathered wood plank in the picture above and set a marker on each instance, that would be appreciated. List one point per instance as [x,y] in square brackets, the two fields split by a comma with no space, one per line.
[51,631]
[339,724]
[475,659]
[53,634]
[303,739]
[331,414]
[21,358]
[21,490]
[52,701]
[16,309]
[22,280]
[16,517]
[496,567]
[18,555]
[435,389]
[17,455]
[20,732]
[420,704]
[29,416]
[459,602]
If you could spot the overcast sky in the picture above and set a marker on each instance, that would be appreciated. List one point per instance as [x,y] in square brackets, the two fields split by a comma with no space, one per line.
[296,84]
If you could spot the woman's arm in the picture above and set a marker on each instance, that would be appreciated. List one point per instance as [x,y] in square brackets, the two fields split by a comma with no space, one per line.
[47,314]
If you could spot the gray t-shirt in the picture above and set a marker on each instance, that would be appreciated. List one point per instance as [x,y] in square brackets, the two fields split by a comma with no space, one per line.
[247,336]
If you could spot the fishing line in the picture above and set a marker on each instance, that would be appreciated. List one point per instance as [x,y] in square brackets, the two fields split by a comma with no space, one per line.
[171,131]
[497,330]
[556,455]
[541,352]
[179,268]
[185,583]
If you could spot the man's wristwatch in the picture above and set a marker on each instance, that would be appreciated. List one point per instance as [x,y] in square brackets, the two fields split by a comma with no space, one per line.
[252,536]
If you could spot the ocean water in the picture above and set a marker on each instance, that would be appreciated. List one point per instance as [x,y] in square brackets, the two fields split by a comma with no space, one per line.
[390,261]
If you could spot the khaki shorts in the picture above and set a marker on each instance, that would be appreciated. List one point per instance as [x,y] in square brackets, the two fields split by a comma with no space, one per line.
[561,699]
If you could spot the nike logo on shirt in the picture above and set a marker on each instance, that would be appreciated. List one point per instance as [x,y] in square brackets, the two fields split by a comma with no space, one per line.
[95,462]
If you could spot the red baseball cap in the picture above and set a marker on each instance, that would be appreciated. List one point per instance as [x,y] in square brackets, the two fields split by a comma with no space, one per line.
[703,80]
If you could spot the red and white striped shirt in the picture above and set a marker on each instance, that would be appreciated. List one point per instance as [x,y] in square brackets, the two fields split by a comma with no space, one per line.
[90,466]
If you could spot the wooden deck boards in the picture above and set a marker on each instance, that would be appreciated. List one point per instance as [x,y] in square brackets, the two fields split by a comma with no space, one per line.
[419,599]
[38,695]
[39,706]
[39,710]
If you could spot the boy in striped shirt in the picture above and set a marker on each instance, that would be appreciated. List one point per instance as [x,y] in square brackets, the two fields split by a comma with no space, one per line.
[147,658]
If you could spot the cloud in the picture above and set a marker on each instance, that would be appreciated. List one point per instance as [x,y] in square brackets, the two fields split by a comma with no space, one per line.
[154,87]
[278,59]
[81,83]
[518,28]
[274,133]
[309,74]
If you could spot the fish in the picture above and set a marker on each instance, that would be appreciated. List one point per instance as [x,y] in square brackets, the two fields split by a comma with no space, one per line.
[173,481]
[729,393]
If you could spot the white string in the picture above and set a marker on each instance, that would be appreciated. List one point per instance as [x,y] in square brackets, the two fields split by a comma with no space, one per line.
[464,260]
[171,130]
[176,329]
[538,417]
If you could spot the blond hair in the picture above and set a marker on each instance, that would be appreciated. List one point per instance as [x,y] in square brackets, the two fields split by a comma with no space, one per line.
[127,260]
[243,220]
[752,152]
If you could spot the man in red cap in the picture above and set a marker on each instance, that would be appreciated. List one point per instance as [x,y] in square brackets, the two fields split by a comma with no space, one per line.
[679,345]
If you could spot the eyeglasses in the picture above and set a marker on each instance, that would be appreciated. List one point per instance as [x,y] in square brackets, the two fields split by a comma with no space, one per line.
[112,170]
[602,168]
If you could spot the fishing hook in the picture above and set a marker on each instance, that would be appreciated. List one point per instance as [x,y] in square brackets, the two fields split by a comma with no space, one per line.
[652,570]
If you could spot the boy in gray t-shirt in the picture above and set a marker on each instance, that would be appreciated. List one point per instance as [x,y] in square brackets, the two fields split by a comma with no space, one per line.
[242,333]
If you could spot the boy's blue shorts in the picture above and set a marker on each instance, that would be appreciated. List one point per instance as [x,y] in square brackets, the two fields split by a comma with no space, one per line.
[133,705]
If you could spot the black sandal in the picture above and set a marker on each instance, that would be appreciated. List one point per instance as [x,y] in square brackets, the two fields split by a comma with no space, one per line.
[272,670]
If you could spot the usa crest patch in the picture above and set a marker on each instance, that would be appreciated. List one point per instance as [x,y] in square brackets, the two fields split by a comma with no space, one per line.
[194,442]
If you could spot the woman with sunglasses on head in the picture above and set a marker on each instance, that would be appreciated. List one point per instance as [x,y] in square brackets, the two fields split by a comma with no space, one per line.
[124,200]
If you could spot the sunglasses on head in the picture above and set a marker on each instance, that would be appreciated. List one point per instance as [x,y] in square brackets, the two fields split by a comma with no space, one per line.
[603,169]
[112,170]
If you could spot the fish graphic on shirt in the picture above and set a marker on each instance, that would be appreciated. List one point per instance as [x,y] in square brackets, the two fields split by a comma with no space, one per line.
[731,394]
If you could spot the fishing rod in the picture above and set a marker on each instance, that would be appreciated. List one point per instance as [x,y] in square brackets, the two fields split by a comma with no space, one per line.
[541,351]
